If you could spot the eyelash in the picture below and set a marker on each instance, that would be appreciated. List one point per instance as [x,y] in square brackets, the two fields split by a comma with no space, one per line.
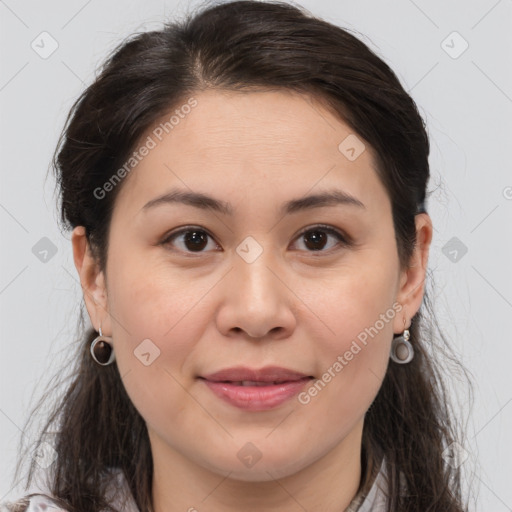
[343,239]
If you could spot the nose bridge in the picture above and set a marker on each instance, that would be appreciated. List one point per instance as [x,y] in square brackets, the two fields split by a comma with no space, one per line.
[253,274]
[256,300]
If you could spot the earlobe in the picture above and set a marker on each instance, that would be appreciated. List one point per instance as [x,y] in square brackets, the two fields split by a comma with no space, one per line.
[412,281]
[91,278]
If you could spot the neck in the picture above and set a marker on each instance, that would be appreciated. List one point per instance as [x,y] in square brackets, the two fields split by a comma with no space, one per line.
[329,483]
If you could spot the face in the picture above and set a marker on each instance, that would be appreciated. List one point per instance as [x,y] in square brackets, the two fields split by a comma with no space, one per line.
[311,286]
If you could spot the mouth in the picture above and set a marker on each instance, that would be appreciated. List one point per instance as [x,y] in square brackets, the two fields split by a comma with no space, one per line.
[256,383]
[245,376]
[254,396]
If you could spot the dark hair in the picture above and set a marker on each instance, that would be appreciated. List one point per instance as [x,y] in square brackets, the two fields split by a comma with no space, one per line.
[248,45]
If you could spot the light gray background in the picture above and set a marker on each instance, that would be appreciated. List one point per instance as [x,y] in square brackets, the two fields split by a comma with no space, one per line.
[466,101]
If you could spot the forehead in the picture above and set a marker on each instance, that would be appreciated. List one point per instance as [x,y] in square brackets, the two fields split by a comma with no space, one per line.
[280,143]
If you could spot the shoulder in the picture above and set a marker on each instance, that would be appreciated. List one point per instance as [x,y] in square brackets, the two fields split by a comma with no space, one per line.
[32,503]
[39,499]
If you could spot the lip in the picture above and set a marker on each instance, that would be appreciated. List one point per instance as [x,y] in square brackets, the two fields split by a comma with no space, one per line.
[226,385]
[266,374]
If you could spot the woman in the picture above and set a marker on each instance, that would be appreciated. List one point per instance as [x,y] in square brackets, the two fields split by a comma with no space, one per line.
[247,194]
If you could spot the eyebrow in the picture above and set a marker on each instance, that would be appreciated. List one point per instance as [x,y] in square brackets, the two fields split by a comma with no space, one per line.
[198,200]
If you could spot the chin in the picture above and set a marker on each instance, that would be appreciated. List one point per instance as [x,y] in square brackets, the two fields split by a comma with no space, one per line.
[259,473]
[260,468]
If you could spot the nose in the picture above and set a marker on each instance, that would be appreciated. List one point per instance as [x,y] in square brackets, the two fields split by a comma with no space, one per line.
[256,301]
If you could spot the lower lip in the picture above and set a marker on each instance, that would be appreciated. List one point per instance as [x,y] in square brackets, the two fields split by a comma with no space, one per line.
[257,398]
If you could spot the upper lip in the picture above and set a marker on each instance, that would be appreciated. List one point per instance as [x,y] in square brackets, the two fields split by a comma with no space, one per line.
[267,374]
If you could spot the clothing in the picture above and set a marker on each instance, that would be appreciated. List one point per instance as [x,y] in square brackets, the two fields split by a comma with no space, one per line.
[120,497]
[375,498]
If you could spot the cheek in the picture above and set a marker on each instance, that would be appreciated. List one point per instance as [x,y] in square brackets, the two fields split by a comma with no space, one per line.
[357,315]
[352,305]
[157,321]
[148,301]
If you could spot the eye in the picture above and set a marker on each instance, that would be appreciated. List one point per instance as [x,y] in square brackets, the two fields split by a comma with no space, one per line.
[192,239]
[316,237]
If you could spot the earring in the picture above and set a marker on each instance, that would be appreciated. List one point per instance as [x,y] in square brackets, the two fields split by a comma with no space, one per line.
[102,351]
[402,351]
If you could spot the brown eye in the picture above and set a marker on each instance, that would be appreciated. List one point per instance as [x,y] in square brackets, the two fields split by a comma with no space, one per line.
[196,240]
[316,239]
[191,240]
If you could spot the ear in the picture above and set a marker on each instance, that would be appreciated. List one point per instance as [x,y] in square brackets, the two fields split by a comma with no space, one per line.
[92,281]
[412,279]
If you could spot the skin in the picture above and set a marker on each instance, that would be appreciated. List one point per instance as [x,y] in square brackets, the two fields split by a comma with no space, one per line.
[293,306]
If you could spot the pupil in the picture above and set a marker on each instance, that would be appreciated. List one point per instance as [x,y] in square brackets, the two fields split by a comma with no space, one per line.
[195,240]
[318,237]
